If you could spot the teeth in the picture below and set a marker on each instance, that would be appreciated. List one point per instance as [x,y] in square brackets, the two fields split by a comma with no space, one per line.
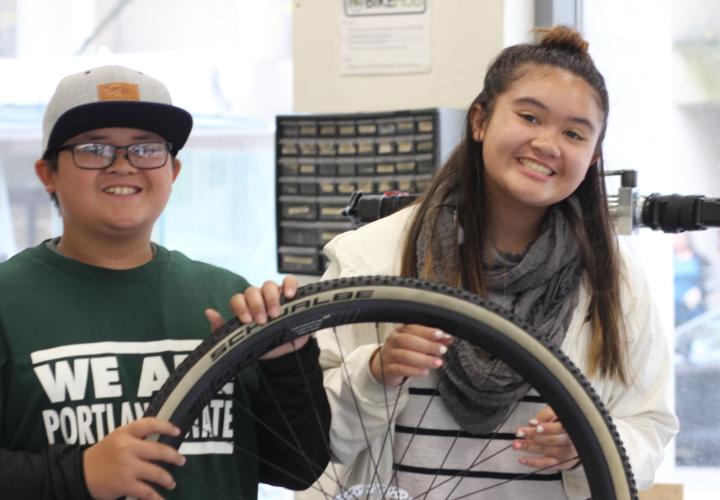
[121,190]
[535,166]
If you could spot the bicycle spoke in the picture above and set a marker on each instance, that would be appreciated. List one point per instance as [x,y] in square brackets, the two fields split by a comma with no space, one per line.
[390,414]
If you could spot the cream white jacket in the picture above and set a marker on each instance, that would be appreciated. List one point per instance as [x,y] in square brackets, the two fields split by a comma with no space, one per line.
[641,410]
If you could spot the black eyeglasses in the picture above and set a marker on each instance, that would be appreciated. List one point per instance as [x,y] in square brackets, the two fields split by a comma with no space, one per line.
[96,156]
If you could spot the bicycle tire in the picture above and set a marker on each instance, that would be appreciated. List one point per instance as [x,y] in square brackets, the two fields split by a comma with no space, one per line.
[402,300]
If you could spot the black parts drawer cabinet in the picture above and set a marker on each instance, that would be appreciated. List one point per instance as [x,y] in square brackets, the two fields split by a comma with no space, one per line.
[320,160]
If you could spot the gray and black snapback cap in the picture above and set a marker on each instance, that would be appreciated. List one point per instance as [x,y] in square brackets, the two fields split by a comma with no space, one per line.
[112,96]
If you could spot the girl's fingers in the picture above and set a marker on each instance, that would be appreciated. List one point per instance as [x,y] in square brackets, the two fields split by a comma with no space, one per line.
[414,359]
[414,343]
[547,414]
[426,332]
[539,462]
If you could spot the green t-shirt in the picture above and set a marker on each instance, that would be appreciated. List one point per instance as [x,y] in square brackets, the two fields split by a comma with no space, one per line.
[83,348]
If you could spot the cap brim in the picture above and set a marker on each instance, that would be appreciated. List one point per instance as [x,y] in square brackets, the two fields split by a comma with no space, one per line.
[170,122]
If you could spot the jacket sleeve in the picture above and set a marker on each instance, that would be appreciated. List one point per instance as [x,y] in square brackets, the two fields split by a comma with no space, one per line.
[360,405]
[54,473]
[641,410]
[293,445]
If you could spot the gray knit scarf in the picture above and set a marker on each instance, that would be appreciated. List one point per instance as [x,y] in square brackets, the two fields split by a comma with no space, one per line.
[539,286]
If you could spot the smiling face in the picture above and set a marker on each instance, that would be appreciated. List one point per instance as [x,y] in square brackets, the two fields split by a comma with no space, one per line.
[114,201]
[539,140]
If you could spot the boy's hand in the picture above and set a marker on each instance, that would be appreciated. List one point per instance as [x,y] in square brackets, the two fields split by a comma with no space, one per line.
[121,464]
[409,351]
[259,305]
[547,438]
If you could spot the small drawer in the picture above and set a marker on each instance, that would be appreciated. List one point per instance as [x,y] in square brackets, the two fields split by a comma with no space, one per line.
[365,147]
[326,149]
[346,187]
[298,210]
[387,128]
[405,127]
[405,146]
[289,149]
[308,130]
[302,236]
[308,148]
[424,146]
[299,262]
[290,130]
[346,169]
[327,170]
[366,186]
[331,211]
[366,169]
[346,129]
[424,166]
[386,185]
[385,168]
[346,148]
[425,126]
[405,167]
[288,169]
[366,128]
[289,188]
[326,188]
[307,188]
[406,185]
[385,148]
[328,129]
[307,169]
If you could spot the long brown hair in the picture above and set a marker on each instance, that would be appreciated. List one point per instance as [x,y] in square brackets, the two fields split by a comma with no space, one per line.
[463,175]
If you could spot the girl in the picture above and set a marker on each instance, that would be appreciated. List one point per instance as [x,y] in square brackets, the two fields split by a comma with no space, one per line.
[518,215]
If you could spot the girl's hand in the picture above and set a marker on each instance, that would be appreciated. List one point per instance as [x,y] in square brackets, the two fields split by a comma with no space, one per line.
[122,463]
[259,305]
[409,351]
[547,439]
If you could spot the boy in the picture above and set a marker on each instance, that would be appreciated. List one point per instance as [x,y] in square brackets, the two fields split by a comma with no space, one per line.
[92,322]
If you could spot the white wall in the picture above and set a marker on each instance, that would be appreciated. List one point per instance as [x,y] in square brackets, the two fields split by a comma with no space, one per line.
[466,34]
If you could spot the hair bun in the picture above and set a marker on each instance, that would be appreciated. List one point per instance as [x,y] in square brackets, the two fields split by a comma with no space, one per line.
[563,38]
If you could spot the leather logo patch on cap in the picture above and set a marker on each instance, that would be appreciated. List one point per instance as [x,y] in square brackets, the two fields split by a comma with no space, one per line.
[118,91]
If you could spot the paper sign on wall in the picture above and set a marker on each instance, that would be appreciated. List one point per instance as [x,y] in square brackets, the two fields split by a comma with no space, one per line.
[385,37]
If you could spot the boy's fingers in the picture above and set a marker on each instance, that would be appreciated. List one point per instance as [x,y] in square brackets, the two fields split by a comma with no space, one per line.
[156,474]
[290,286]
[151,451]
[270,300]
[151,425]
[239,307]
[214,318]
[143,491]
